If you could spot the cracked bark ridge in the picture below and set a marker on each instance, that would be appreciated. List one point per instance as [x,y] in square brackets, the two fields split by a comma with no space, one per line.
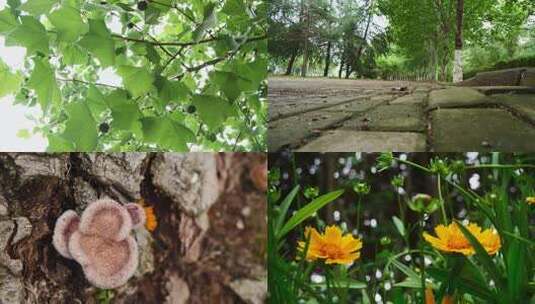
[190,180]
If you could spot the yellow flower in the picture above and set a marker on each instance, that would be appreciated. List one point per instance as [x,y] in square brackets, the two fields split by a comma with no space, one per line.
[430,297]
[451,239]
[332,246]
[530,200]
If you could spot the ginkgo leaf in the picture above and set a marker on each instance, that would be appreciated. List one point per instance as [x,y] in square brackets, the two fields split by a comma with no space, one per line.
[9,82]
[80,128]
[38,7]
[138,81]
[213,110]
[43,81]
[99,42]
[68,23]
[167,133]
[30,34]
[7,21]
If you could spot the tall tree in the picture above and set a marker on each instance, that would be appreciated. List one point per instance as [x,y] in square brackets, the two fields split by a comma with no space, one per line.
[458,61]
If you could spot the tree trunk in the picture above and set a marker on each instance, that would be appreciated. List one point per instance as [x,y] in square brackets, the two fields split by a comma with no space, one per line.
[341,68]
[291,63]
[458,62]
[304,67]
[197,253]
[327,60]
[365,38]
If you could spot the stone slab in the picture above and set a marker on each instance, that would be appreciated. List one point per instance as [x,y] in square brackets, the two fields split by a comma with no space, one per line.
[523,105]
[415,98]
[292,131]
[306,104]
[456,97]
[357,106]
[455,130]
[400,117]
[352,141]
[506,90]
[528,78]
[508,77]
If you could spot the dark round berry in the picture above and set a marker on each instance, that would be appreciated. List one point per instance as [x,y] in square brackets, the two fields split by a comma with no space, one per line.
[191,109]
[130,25]
[142,5]
[103,2]
[104,127]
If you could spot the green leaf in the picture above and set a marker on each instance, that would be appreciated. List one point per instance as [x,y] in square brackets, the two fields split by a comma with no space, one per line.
[209,21]
[73,54]
[31,34]
[10,82]
[96,101]
[38,7]
[307,211]
[213,110]
[138,81]
[99,42]
[7,21]
[43,82]
[80,127]
[171,91]
[399,225]
[56,143]
[284,206]
[167,133]
[125,112]
[68,23]
[343,283]
[231,84]
[24,133]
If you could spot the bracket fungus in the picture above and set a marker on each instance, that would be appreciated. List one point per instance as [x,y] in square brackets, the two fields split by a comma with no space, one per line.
[100,240]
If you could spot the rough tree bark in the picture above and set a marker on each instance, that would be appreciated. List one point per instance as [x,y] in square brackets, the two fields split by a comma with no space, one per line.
[208,246]
[458,61]
[329,45]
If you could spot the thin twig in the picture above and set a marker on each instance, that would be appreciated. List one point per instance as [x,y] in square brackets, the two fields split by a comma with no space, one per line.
[86,82]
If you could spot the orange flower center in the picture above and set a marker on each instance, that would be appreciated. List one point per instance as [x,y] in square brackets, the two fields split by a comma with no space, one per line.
[332,250]
[458,243]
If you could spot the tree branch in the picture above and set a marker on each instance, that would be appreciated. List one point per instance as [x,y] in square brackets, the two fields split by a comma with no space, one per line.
[86,82]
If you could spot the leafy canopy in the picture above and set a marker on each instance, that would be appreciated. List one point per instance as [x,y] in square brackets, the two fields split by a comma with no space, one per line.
[189,74]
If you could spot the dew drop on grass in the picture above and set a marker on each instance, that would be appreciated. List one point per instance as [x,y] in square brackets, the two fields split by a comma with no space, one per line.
[373,223]
[407,258]
[388,286]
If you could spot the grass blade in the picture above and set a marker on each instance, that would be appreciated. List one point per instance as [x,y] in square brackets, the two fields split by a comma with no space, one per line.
[305,212]
[483,257]
[285,205]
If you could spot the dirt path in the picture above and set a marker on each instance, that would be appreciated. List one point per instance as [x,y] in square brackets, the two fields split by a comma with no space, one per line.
[334,115]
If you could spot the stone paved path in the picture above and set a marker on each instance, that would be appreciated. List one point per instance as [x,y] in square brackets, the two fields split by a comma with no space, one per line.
[331,115]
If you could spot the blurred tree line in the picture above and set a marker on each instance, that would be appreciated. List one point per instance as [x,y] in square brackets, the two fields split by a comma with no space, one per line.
[399,39]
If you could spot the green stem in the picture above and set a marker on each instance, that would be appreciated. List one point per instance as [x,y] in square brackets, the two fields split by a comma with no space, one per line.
[439,186]
[358,213]
[497,166]
[422,257]
[407,162]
